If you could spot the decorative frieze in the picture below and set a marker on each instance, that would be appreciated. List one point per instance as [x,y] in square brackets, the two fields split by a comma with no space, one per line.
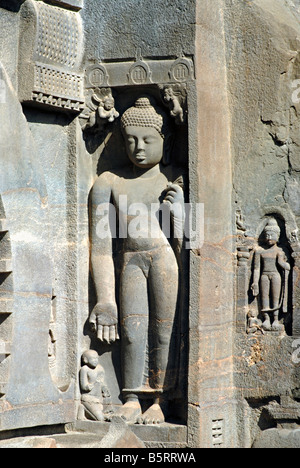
[139,72]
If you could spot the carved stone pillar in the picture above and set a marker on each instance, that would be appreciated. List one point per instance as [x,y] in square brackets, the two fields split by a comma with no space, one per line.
[243,256]
[211,394]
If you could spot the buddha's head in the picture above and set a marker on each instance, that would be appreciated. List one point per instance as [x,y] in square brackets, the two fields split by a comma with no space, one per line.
[146,133]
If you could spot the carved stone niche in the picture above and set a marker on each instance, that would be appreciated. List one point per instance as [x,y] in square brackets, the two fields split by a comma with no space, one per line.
[268,288]
[50,55]
[272,288]
[146,306]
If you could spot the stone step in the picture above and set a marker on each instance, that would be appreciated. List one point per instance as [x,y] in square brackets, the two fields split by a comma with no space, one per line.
[162,435]
[92,434]
[64,441]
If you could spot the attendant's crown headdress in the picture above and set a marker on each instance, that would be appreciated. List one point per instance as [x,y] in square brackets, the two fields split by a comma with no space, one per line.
[272,226]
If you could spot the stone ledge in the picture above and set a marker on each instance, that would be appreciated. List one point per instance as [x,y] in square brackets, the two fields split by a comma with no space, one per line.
[278,438]
[160,434]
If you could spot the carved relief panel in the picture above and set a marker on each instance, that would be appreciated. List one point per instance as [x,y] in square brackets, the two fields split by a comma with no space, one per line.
[266,287]
[50,54]
[134,127]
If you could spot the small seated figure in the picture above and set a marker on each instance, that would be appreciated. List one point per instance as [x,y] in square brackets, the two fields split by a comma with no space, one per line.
[254,323]
[93,386]
[271,271]
[107,109]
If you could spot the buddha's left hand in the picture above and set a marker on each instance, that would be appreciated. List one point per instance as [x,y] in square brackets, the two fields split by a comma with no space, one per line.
[175,198]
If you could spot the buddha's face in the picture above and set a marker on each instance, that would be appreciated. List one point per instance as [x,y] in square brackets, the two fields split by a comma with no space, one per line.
[144,146]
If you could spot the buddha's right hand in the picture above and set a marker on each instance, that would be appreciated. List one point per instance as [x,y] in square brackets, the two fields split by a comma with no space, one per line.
[104,321]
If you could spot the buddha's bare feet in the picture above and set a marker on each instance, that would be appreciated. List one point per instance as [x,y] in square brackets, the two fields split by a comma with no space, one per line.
[154,415]
[267,325]
[130,411]
[277,326]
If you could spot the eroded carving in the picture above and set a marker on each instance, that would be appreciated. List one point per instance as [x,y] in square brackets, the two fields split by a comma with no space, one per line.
[149,259]
[270,278]
[240,223]
[254,324]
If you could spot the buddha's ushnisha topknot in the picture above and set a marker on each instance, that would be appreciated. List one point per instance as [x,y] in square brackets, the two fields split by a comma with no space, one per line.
[145,113]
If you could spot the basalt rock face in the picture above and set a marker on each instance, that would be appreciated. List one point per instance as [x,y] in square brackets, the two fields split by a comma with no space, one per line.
[149,222]
[263,69]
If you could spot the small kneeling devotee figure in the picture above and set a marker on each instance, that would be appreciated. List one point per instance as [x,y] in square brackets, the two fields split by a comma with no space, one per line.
[93,387]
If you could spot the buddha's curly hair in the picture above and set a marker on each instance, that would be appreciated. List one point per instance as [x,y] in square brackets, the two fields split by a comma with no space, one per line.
[146,113]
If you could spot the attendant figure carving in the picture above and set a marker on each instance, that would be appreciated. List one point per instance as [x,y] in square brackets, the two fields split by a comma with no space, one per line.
[271,273]
[175,97]
[93,387]
[99,110]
